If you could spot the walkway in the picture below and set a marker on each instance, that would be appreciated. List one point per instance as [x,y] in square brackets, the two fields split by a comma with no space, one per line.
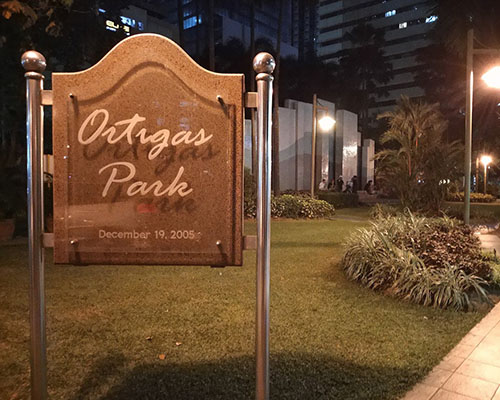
[471,371]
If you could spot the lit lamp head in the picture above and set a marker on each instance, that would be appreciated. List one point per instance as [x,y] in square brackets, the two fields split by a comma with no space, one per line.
[326,123]
[492,77]
[485,160]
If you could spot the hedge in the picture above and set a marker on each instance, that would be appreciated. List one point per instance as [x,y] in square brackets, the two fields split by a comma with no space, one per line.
[474,197]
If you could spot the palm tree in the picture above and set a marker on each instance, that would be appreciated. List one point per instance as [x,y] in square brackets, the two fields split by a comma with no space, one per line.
[456,16]
[252,83]
[419,161]
[180,22]
[275,182]
[211,35]
[442,69]
[363,69]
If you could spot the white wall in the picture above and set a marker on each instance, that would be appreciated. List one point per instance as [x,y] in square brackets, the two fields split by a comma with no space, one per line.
[295,144]
[368,164]
[347,140]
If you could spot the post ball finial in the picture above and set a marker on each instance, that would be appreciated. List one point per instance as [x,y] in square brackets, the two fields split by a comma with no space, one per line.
[33,61]
[264,63]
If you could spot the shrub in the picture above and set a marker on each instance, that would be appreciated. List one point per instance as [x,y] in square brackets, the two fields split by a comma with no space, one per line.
[297,205]
[477,215]
[339,200]
[289,206]
[430,261]
[474,197]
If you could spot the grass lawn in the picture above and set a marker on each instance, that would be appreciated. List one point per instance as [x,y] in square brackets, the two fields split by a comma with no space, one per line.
[355,212]
[330,338]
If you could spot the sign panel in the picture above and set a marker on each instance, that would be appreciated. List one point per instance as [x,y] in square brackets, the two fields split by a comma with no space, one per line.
[148,159]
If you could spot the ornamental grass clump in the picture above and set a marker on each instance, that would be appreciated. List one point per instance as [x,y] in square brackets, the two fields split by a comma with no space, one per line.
[431,261]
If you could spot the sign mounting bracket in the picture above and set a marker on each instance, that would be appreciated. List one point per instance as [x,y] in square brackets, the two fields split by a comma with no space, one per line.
[251,100]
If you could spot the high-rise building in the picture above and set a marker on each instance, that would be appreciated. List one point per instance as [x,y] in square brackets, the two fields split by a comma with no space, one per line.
[406,24]
[232,19]
[304,27]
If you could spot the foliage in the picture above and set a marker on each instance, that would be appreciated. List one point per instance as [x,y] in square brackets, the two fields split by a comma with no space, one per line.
[12,192]
[420,162]
[12,177]
[474,197]
[494,262]
[431,261]
[495,272]
[443,62]
[71,35]
[381,211]
[289,206]
[339,200]
[456,16]
[298,205]
[477,215]
[363,69]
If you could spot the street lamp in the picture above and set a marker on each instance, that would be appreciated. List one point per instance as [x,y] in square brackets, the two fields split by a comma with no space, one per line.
[325,123]
[485,160]
[492,79]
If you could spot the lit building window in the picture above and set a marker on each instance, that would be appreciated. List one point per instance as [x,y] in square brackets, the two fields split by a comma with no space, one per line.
[128,21]
[114,26]
[111,26]
[390,13]
[432,18]
[190,22]
[403,25]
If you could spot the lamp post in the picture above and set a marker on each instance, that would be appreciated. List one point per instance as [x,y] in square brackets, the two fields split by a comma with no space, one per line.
[485,160]
[476,186]
[492,79]
[325,123]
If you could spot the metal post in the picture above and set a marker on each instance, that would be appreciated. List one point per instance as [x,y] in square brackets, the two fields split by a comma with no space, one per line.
[313,143]
[476,186]
[254,141]
[263,64]
[34,64]
[468,123]
[485,177]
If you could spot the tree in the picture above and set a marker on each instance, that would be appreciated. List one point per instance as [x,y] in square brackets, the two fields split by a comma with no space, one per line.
[69,33]
[442,72]
[275,182]
[211,35]
[420,164]
[362,70]
[456,16]
[180,22]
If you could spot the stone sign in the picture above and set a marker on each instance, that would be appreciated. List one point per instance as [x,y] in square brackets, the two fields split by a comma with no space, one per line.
[148,159]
